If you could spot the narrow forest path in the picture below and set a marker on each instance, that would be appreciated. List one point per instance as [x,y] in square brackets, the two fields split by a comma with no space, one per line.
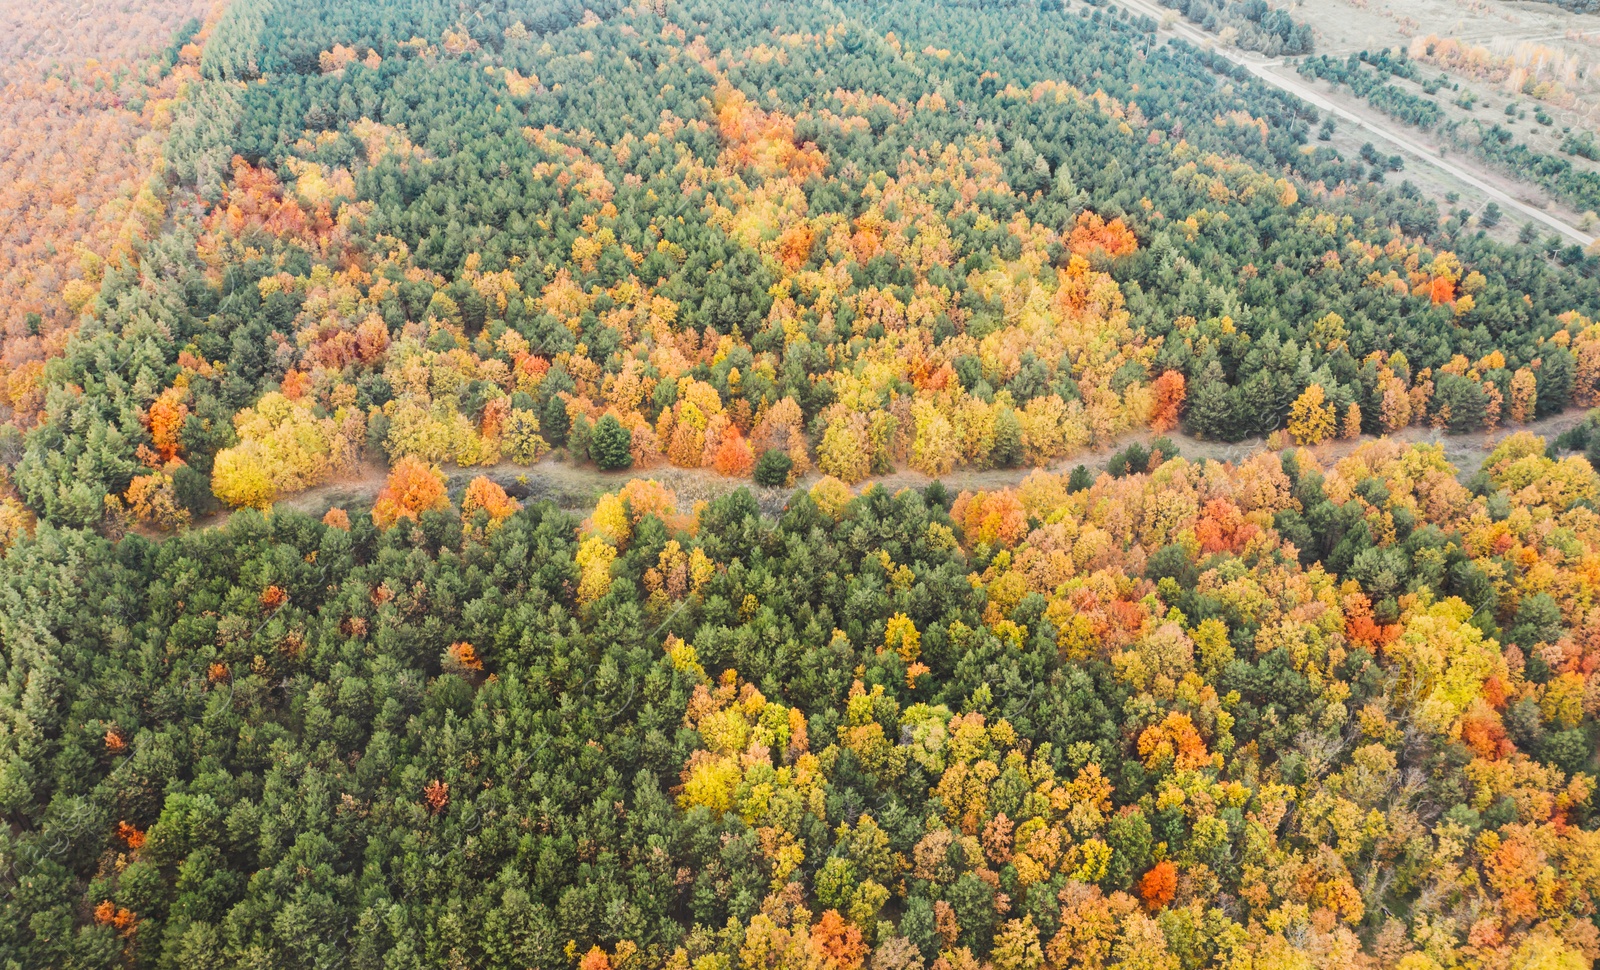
[575,488]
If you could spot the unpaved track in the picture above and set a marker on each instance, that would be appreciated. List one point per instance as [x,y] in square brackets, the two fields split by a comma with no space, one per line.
[575,488]
[1262,68]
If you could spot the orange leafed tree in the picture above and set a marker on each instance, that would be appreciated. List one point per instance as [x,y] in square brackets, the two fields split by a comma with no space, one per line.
[414,487]
[1352,422]
[1223,528]
[794,246]
[167,414]
[835,942]
[152,500]
[1524,394]
[464,656]
[646,496]
[109,913]
[1442,289]
[437,795]
[733,457]
[130,834]
[1174,740]
[992,517]
[1159,885]
[1093,233]
[1170,390]
[781,426]
[77,153]
[372,339]
[490,497]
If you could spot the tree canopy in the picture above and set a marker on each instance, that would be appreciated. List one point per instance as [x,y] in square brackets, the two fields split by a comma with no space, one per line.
[1285,712]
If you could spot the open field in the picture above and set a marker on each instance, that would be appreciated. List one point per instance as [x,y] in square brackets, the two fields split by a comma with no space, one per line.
[1541,42]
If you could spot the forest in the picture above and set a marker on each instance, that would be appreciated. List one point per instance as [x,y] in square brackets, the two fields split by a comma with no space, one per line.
[732,241]
[1332,704]
[1273,715]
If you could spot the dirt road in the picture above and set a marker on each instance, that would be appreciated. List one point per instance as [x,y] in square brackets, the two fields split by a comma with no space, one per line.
[1274,72]
[576,488]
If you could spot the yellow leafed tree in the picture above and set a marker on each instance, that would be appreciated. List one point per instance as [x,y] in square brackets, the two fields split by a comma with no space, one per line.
[284,447]
[1311,419]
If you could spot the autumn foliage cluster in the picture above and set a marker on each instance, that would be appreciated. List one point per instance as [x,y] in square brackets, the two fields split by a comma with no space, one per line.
[1288,712]
[85,112]
[1300,794]
[1273,714]
[869,280]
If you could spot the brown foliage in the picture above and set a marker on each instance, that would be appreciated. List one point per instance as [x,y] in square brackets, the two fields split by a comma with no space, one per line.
[437,794]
